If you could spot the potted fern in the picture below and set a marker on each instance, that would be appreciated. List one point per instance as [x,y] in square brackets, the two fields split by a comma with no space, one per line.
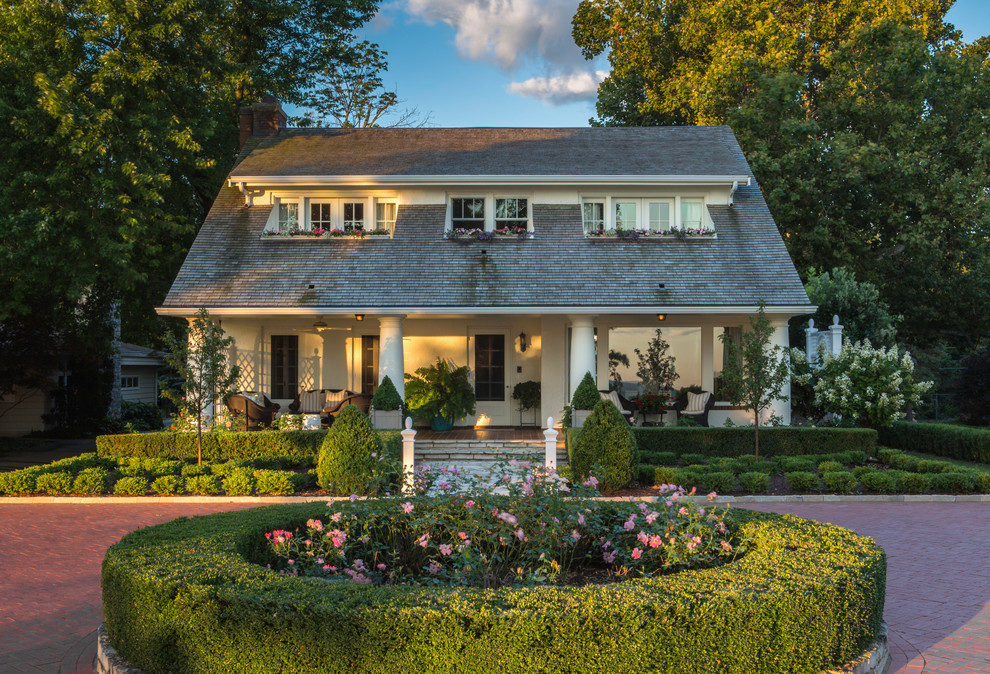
[440,394]
[386,406]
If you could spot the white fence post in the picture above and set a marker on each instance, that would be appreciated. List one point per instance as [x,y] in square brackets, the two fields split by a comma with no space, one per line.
[550,453]
[408,455]
[835,331]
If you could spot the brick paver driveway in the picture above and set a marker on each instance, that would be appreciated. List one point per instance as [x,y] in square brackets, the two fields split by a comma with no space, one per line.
[938,592]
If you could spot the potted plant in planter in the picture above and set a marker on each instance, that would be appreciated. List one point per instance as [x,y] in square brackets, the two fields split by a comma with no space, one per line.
[527,393]
[585,398]
[440,393]
[386,406]
[652,404]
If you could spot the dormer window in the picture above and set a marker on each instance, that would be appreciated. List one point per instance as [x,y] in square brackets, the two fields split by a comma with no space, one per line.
[288,216]
[353,216]
[467,212]
[511,214]
[645,216]
[321,216]
[385,215]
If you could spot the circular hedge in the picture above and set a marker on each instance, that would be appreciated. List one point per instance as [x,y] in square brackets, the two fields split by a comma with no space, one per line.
[184,596]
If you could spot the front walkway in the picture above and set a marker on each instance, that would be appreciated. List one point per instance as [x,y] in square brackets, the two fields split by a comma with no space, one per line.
[938,590]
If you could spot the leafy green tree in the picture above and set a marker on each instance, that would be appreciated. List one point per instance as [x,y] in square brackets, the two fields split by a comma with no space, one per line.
[615,359]
[349,93]
[656,370]
[756,370]
[865,122]
[201,360]
[861,311]
[118,122]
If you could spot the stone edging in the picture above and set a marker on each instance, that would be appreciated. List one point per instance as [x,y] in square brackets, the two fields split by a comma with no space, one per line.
[875,660]
[721,500]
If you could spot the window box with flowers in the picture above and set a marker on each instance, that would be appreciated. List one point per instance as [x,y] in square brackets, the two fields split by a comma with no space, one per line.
[320,233]
[513,233]
[691,234]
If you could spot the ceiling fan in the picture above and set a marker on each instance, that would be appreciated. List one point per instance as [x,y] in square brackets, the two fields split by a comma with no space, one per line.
[319,325]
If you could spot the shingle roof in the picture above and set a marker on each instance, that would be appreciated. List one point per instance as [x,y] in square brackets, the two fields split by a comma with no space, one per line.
[231,266]
[490,151]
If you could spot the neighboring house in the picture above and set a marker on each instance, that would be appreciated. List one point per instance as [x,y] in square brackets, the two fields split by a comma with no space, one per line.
[139,367]
[310,312]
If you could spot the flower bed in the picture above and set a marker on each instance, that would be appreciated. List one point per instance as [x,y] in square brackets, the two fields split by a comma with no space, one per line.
[195,594]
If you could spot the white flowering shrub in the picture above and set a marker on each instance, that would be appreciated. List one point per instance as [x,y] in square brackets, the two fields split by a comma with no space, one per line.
[869,385]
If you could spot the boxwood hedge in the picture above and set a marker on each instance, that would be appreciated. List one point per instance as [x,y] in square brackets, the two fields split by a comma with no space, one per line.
[774,441]
[955,442]
[225,446]
[189,596]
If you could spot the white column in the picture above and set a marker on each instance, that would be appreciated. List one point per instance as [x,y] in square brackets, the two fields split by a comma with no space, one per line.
[708,358]
[781,338]
[550,449]
[835,330]
[390,358]
[582,350]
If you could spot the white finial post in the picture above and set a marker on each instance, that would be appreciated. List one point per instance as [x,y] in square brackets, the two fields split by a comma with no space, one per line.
[836,335]
[812,340]
[550,452]
[408,455]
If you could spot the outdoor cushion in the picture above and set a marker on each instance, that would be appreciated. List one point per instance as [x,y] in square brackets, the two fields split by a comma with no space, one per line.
[334,397]
[614,397]
[696,402]
[312,402]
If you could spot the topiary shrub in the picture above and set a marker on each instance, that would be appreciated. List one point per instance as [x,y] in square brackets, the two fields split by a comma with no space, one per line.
[158,467]
[930,466]
[855,457]
[983,483]
[912,483]
[691,459]
[203,485]
[802,480]
[350,455]
[860,471]
[798,464]
[755,483]
[192,470]
[720,482]
[91,481]
[878,482]
[953,483]
[386,396]
[167,485]
[131,486]
[605,447]
[19,481]
[839,481]
[829,467]
[54,483]
[586,395]
[274,482]
[239,482]
[664,475]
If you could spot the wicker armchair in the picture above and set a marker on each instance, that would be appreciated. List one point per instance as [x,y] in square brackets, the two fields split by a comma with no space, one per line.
[255,415]
[361,400]
[700,416]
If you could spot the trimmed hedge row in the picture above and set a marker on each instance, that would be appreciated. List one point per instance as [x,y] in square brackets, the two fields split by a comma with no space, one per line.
[725,442]
[183,596]
[955,442]
[226,446]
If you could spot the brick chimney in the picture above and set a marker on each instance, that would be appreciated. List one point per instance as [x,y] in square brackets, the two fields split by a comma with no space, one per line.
[264,118]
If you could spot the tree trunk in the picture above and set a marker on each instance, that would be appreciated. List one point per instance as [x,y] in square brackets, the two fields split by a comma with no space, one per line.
[757,434]
[199,439]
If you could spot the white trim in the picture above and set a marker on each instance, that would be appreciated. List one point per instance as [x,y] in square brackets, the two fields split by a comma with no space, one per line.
[307,180]
[709,310]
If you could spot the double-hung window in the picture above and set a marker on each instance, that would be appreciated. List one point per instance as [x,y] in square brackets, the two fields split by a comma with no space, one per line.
[659,216]
[625,213]
[691,214]
[467,212]
[511,213]
[385,212]
[353,216]
[288,216]
[320,215]
[593,215]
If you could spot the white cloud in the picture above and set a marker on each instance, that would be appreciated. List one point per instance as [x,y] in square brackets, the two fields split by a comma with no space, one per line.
[508,32]
[560,89]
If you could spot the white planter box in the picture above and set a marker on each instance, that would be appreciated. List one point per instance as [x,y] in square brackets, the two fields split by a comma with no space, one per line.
[386,419]
[578,418]
[311,422]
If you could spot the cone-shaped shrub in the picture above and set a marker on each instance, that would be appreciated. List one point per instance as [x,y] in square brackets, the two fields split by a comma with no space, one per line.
[586,396]
[605,442]
[386,397]
[349,455]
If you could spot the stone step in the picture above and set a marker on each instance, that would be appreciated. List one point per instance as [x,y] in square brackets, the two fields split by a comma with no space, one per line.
[481,450]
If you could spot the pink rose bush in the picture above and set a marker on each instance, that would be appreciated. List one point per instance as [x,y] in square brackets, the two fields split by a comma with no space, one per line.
[535,534]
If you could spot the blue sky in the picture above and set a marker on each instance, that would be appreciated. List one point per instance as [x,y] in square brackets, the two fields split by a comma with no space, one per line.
[512,62]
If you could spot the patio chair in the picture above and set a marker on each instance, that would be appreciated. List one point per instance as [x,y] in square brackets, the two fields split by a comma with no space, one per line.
[696,406]
[625,406]
[258,411]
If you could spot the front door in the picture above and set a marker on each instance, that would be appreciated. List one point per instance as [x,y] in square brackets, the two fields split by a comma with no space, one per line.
[490,385]
[369,364]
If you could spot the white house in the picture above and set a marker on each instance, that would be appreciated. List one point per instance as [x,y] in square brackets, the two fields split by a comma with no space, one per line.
[309,309]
